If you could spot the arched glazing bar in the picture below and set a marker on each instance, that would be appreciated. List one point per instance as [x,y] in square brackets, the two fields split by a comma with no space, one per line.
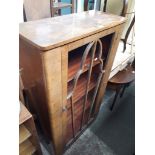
[76,78]
[101,71]
[91,48]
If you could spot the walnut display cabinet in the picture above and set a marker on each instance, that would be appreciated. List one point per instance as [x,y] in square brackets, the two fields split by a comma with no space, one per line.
[66,62]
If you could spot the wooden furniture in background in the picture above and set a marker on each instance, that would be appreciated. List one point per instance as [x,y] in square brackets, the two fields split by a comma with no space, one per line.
[28,139]
[39,9]
[121,81]
[127,33]
[122,9]
[122,3]
[36,9]
[66,64]
[57,6]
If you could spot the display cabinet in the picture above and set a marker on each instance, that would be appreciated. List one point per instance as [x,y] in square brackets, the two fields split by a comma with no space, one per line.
[66,63]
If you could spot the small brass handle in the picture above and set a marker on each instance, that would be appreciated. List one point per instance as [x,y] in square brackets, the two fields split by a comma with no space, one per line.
[64,109]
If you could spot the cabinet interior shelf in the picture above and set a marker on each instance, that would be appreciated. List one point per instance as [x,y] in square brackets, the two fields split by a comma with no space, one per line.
[75,61]
[81,86]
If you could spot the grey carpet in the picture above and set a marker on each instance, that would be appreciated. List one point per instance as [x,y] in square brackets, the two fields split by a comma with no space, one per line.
[89,144]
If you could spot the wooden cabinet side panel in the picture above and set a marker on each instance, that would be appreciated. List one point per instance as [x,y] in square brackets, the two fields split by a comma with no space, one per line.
[52,64]
[108,66]
[32,77]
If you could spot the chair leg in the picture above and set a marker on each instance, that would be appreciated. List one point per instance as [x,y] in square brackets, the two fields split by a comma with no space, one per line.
[125,86]
[115,98]
[123,90]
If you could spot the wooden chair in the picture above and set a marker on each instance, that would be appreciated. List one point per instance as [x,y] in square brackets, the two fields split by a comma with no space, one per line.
[57,6]
[124,40]
[121,81]
[36,9]
[119,7]
[125,77]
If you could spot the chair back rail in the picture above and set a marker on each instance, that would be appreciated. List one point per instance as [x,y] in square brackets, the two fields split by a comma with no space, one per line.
[122,3]
[36,9]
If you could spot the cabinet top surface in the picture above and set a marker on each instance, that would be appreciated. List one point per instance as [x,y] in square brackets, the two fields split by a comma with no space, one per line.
[50,33]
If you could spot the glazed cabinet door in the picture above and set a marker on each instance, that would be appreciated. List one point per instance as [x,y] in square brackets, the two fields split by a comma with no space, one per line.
[86,67]
[75,80]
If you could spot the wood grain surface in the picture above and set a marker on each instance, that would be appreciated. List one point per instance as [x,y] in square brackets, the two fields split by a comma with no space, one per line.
[49,33]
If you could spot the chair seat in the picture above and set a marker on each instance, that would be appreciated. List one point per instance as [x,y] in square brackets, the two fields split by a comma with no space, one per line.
[121,81]
[123,77]
[121,59]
